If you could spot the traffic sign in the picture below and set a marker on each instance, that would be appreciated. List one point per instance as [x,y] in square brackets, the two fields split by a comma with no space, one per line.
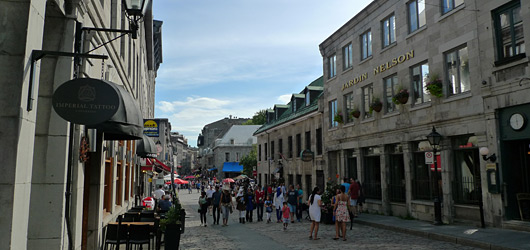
[429,159]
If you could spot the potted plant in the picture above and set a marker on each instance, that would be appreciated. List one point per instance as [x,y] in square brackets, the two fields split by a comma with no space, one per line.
[435,85]
[376,105]
[327,208]
[172,226]
[355,112]
[401,97]
[338,117]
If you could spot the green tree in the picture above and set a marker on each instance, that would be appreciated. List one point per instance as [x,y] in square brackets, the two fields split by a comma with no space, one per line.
[249,161]
[259,118]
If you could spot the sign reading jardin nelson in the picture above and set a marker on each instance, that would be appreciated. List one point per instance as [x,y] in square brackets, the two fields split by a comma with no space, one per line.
[86,101]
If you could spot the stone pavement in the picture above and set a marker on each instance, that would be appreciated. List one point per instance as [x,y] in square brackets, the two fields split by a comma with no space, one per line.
[260,235]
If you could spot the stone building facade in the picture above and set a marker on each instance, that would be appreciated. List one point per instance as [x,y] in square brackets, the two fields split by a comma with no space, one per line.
[290,130]
[475,52]
[45,156]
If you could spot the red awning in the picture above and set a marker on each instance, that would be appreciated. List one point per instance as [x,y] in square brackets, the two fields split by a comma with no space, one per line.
[166,168]
[148,168]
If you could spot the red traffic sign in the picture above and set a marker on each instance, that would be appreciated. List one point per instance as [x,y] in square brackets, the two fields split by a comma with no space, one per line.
[438,164]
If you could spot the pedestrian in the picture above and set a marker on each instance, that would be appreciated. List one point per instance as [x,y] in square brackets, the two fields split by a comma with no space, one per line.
[226,204]
[354,195]
[292,200]
[209,195]
[240,199]
[286,211]
[334,200]
[268,208]
[250,205]
[340,210]
[164,205]
[216,205]
[269,191]
[299,203]
[314,203]
[158,194]
[203,203]
[198,186]
[361,199]
[260,199]
[189,188]
[278,201]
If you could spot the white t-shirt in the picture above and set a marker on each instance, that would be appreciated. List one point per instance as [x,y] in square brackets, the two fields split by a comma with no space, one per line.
[157,194]
[209,193]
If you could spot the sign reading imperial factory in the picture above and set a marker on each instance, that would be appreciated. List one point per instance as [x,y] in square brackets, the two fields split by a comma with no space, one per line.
[381,68]
[86,101]
[151,127]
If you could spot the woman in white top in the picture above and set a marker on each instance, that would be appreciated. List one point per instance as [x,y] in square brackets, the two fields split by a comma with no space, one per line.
[314,202]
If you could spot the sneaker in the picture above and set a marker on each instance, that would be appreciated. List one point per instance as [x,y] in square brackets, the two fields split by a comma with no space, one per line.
[205,225]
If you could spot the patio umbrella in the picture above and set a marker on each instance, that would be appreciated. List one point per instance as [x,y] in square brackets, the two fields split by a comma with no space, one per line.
[229,180]
[189,177]
[241,177]
[180,181]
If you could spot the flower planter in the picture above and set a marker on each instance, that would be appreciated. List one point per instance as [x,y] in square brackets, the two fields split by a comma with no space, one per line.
[172,236]
[377,107]
[356,113]
[327,218]
[403,100]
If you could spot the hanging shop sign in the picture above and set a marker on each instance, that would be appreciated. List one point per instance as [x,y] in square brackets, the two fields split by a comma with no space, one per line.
[151,127]
[86,101]
[307,155]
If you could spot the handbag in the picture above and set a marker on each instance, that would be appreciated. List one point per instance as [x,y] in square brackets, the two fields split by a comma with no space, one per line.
[199,210]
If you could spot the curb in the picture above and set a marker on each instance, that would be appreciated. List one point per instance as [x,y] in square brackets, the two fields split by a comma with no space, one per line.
[436,236]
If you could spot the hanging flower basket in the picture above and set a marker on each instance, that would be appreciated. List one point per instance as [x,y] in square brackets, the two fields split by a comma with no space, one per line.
[401,97]
[338,117]
[376,105]
[356,113]
[435,86]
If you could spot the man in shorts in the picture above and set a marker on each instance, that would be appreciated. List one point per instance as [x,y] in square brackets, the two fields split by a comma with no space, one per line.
[354,195]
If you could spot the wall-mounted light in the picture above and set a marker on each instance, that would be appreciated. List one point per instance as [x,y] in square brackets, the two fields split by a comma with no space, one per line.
[135,10]
[484,151]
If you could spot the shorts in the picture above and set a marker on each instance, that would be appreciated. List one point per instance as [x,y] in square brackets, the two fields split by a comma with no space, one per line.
[286,220]
[292,207]
[353,202]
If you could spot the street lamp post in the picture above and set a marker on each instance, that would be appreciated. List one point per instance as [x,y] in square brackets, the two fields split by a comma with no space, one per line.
[434,139]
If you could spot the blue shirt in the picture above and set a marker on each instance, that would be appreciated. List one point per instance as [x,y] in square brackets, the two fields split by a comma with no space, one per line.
[347,185]
[216,198]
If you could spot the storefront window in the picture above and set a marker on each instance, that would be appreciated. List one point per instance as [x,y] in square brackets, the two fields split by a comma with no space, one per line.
[372,173]
[397,173]
[422,176]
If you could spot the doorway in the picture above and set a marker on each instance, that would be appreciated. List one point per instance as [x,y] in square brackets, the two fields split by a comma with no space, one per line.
[516,162]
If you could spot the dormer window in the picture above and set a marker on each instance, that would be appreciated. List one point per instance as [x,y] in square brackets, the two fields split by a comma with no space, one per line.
[307,98]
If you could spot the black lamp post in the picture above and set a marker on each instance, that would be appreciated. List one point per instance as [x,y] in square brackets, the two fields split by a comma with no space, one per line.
[434,139]
[135,11]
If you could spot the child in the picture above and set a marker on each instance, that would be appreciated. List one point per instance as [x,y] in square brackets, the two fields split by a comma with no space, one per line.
[285,214]
[268,208]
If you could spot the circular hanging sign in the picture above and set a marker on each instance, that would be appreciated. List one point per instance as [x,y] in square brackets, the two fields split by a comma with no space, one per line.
[86,101]
[307,155]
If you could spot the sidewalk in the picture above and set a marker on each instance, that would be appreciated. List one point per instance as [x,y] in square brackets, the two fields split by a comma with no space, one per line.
[487,238]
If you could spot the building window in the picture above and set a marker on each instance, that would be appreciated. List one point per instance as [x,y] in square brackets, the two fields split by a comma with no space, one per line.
[390,89]
[457,71]
[348,107]
[509,33]
[237,157]
[347,56]
[368,94]
[466,182]
[366,45]
[351,164]
[372,173]
[259,152]
[227,157]
[272,150]
[448,5]
[307,98]
[416,10]
[389,30]
[319,141]
[266,152]
[298,144]
[308,140]
[290,146]
[332,70]
[232,141]
[397,173]
[280,147]
[332,113]
[422,176]
[420,78]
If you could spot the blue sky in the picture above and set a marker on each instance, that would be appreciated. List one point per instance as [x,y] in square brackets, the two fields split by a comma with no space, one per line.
[236,57]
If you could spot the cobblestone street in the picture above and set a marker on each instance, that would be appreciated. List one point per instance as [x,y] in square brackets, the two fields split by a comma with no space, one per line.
[260,235]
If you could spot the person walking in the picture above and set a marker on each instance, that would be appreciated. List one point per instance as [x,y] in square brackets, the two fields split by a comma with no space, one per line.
[299,203]
[250,204]
[158,194]
[226,205]
[314,202]
[203,204]
[285,212]
[216,205]
[278,203]
[240,199]
[209,195]
[260,199]
[292,200]
[268,208]
[341,212]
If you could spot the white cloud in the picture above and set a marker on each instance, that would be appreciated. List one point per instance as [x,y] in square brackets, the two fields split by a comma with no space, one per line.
[284,99]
